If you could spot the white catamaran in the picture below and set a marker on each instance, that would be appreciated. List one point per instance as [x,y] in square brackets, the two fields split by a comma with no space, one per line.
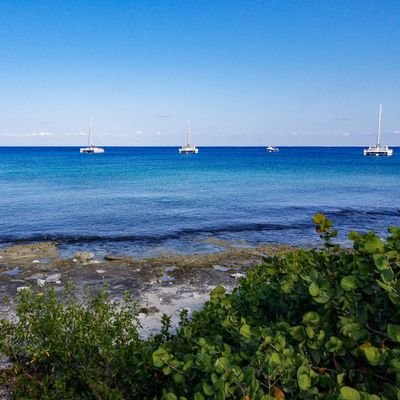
[189,148]
[378,150]
[91,149]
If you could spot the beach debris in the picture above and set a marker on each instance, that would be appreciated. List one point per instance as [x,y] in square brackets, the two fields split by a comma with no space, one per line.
[35,262]
[83,256]
[238,275]
[74,260]
[21,288]
[94,262]
[149,310]
[221,268]
[100,271]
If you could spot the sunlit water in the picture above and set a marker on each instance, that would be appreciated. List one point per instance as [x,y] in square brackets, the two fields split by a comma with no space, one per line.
[145,201]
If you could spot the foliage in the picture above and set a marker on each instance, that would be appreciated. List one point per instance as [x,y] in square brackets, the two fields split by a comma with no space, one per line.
[310,324]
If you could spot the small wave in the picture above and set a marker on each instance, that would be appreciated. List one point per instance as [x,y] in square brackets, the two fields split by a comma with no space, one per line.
[81,239]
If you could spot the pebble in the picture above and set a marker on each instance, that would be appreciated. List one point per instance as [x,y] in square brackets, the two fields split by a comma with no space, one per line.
[74,260]
[100,271]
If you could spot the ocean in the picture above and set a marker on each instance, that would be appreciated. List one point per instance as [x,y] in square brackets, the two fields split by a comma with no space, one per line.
[147,201]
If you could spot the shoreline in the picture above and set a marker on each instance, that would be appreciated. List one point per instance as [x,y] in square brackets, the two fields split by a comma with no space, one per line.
[164,284]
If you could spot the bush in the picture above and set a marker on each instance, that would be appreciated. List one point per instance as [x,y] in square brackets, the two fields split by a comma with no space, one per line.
[311,324]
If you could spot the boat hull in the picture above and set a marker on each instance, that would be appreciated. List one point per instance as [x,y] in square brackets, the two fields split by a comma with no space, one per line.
[192,150]
[378,152]
[91,150]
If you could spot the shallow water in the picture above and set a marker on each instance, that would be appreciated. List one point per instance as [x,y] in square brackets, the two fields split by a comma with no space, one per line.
[150,201]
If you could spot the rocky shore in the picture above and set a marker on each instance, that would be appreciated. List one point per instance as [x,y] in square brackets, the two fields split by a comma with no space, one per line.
[164,284]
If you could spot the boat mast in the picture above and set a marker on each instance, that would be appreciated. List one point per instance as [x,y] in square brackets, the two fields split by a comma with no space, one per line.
[91,133]
[188,133]
[378,137]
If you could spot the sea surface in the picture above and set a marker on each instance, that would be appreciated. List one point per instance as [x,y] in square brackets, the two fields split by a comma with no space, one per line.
[148,201]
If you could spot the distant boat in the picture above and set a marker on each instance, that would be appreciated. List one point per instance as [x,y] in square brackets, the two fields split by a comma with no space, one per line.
[378,149]
[272,149]
[91,149]
[189,148]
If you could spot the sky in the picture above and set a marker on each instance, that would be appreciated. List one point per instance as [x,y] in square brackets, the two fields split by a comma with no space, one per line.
[245,73]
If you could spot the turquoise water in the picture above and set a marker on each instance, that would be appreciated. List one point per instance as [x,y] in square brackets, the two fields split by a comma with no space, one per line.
[146,200]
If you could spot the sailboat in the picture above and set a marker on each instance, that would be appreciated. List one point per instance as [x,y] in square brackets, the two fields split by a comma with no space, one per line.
[91,149]
[378,149]
[189,148]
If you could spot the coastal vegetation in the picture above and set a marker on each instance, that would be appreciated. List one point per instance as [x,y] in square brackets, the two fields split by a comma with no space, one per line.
[310,324]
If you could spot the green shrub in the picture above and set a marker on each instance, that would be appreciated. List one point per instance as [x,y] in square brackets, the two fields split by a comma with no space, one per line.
[311,324]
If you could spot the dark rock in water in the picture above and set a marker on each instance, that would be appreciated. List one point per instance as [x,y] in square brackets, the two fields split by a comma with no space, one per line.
[149,310]
[115,257]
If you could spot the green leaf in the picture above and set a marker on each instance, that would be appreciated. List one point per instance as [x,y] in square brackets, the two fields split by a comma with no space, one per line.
[373,245]
[160,357]
[207,389]
[304,382]
[394,332]
[348,393]
[221,364]
[170,396]
[348,283]
[198,396]
[218,292]
[245,331]
[311,317]
[373,355]
[178,378]
[314,290]
[381,262]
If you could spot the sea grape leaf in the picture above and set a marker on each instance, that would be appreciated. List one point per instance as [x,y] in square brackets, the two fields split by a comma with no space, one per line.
[394,332]
[348,393]
[304,382]
[348,283]
[373,245]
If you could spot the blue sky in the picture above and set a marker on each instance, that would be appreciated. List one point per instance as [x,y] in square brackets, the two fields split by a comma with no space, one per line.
[244,72]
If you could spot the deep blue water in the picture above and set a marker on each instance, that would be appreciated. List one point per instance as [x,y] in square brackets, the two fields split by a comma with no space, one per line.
[149,200]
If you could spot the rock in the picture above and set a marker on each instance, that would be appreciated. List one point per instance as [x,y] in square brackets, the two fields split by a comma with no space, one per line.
[37,276]
[238,275]
[21,288]
[53,278]
[149,310]
[116,257]
[41,282]
[74,260]
[83,256]
[196,295]
[220,268]
[100,271]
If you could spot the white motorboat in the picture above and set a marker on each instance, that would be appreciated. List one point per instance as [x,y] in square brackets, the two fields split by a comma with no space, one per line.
[378,149]
[91,148]
[272,149]
[188,148]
